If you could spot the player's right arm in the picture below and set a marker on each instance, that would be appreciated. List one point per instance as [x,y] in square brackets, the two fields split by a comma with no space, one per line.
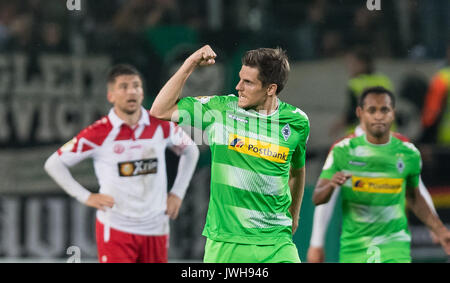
[321,219]
[82,146]
[62,176]
[165,105]
[331,177]
[325,188]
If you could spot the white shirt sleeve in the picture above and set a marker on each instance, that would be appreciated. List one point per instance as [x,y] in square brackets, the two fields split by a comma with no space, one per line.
[183,146]
[426,195]
[62,176]
[322,217]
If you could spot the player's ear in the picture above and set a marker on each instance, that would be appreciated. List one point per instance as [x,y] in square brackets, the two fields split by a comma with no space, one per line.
[109,94]
[272,89]
[110,97]
[358,112]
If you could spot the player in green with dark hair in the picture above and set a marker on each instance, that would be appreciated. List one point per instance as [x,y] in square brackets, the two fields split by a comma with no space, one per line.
[377,172]
[258,146]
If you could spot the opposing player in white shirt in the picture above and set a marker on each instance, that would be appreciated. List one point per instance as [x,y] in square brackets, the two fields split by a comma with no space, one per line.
[128,150]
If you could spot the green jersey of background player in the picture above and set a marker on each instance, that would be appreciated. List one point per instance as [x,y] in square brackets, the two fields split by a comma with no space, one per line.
[258,148]
[376,172]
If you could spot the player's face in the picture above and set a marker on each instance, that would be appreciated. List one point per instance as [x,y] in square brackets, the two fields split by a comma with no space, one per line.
[377,114]
[251,92]
[126,93]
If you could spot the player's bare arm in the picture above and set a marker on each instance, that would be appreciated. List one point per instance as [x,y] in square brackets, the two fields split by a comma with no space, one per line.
[421,209]
[315,255]
[165,105]
[173,206]
[297,186]
[325,187]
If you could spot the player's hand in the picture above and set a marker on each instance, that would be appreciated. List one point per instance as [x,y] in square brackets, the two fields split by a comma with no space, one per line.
[434,237]
[315,255]
[444,239]
[294,224]
[205,56]
[339,178]
[173,206]
[100,201]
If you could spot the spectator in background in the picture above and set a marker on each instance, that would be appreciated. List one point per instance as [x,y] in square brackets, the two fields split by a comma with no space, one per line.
[22,35]
[136,15]
[52,39]
[436,110]
[369,28]
[435,26]
[8,12]
[360,65]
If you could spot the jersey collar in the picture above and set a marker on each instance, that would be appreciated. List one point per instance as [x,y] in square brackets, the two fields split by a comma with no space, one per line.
[117,122]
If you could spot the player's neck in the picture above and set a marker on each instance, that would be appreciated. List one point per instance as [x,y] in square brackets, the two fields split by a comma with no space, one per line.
[379,140]
[269,106]
[129,119]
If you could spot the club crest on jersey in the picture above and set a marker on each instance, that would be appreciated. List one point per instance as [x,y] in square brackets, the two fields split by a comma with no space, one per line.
[286,131]
[400,165]
[138,167]
[118,148]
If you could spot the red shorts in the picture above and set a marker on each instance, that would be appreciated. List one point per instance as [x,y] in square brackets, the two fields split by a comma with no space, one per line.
[130,248]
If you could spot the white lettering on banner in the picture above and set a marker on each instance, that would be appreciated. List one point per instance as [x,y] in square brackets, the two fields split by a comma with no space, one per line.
[22,116]
[373,5]
[4,128]
[83,217]
[9,227]
[44,227]
[64,95]
[73,5]
[54,243]
[5,76]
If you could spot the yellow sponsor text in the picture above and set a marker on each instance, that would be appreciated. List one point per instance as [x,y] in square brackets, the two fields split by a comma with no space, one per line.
[377,185]
[257,148]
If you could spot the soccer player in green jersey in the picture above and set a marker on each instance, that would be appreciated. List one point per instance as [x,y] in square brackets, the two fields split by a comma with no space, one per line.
[377,173]
[258,146]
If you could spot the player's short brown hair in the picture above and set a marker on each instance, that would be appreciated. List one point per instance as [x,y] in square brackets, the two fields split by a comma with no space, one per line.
[122,70]
[272,64]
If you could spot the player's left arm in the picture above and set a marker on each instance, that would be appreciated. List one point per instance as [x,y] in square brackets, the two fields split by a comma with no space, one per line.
[297,186]
[422,210]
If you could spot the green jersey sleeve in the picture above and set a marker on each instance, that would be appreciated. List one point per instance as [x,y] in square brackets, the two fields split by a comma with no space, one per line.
[201,111]
[299,156]
[331,165]
[412,180]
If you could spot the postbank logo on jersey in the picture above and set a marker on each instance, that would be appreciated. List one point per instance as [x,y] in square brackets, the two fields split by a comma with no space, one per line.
[377,185]
[138,167]
[257,148]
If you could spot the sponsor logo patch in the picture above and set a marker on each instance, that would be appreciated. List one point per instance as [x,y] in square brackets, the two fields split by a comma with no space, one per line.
[256,148]
[138,167]
[377,185]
